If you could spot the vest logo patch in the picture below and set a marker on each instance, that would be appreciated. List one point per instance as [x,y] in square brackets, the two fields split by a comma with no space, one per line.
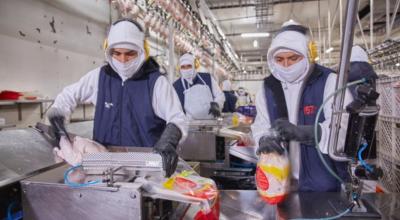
[108,104]
[309,109]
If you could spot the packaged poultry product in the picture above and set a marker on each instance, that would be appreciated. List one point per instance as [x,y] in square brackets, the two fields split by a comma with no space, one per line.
[191,184]
[272,177]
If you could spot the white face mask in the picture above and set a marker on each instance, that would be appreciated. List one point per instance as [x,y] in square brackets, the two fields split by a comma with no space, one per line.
[293,72]
[127,69]
[188,74]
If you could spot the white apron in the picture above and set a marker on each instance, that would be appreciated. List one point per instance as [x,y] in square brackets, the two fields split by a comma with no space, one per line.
[197,100]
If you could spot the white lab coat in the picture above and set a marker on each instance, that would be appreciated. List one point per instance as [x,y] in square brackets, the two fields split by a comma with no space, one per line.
[166,104]
[219,96]
[291,91]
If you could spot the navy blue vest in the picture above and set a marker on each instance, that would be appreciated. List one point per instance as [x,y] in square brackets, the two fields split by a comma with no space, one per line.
[124,113]
[179,87]
[230,101]
[313,174]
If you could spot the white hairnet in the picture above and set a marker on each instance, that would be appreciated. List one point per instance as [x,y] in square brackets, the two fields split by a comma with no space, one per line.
[289,40]
[125,32]
[186,59]
[127,35]
[358,54]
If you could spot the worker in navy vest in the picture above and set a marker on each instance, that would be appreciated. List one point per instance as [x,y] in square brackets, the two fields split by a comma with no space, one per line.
[287,106]
[230,97]
[199,93]
[360,68]
[243,97]
[135,104]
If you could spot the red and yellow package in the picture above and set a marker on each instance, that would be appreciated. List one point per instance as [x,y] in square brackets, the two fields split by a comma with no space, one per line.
[272,177]
[190,184]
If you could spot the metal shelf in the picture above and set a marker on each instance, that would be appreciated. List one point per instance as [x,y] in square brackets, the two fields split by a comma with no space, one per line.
[7,126]
[19,104]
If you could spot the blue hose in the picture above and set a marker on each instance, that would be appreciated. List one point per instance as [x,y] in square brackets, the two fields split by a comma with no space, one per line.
[333,173]
[10,216]
[363,163]
[9,211]
[320,153]
[77,185]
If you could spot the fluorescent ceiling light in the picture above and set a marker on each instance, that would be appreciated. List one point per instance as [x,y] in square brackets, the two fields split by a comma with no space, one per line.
[330,49]
[255,43]
[397,64]
[259,34]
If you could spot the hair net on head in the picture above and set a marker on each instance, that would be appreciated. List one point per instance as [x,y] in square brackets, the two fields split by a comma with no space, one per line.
[291,40]
[288,41]
[126,35]
[186,59]
[358,54]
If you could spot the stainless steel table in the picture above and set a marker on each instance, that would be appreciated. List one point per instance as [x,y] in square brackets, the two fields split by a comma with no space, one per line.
[23,152]
[246,204]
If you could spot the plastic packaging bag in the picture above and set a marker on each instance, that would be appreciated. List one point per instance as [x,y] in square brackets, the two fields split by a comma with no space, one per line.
[272,177]
[191,184]
[238,119]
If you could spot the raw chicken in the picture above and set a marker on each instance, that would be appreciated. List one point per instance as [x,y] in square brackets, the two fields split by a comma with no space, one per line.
[73,152]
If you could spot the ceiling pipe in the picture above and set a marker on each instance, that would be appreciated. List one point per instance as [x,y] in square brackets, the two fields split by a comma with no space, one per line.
[371,20]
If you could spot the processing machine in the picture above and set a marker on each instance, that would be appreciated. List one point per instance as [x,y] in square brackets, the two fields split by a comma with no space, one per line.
[108,186]
[214,143]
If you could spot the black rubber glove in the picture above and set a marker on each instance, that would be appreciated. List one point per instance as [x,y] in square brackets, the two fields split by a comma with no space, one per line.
[301,133]
[214,110]
[269,144]
[166,146]
[57,118]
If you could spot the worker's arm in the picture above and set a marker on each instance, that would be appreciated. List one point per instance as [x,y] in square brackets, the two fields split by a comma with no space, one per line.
[262,123]
[325,125]
[261,129]
[167,106]
[83,91]
[219,96]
